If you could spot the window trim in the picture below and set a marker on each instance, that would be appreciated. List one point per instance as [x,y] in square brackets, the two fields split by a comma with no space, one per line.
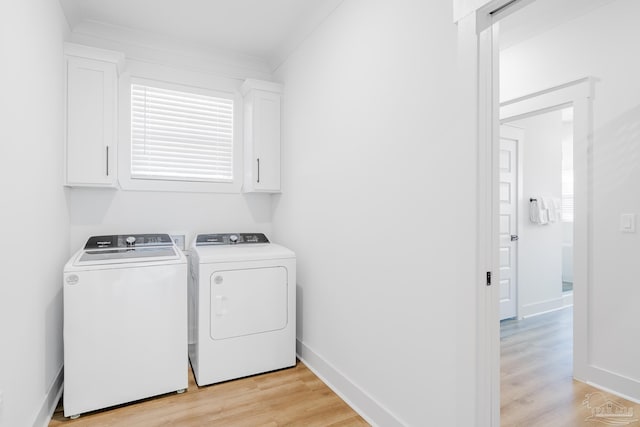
[127,182]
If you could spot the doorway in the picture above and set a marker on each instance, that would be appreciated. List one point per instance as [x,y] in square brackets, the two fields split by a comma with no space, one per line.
[536,342]
[541,237]
[597,45]
[542,133]
[536,213]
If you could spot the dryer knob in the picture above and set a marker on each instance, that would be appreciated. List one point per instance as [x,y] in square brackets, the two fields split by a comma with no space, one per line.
[233,238]
[130,240]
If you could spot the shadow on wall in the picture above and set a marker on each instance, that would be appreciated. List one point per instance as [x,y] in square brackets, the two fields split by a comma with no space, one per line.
[53,337]
[259,206]
[617,144]
[299,316]
[98,202]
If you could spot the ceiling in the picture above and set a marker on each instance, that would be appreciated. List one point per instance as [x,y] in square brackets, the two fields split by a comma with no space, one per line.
[257,28]
[541,16]
[270,29]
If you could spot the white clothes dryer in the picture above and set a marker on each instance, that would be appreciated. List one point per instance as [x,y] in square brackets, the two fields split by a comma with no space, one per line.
[125,321]
[242,307]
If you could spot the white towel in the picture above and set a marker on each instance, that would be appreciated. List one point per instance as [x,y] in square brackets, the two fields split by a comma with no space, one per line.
[537,214]
[549,207]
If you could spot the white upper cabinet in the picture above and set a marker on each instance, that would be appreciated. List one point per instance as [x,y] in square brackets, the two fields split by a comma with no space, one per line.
[91,143]
[261,136]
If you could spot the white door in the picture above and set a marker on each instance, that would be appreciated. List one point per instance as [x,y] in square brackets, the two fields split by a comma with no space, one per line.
[509,138]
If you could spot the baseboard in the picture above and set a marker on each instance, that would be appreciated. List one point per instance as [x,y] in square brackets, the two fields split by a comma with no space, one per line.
[541,307]
[619,385]
[50,402]
[567,299]
[361,402]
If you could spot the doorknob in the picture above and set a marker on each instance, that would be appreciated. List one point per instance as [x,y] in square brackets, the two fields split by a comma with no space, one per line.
[514,237]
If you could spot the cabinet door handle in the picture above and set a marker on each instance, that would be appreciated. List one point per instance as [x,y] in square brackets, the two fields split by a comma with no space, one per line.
[258,169]
[107,147]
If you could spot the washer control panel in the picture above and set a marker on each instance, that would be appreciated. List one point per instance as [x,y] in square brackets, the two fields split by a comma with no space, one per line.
[230,239]
[128,241]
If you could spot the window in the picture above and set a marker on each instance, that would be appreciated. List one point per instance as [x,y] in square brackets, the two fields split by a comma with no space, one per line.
[181,136]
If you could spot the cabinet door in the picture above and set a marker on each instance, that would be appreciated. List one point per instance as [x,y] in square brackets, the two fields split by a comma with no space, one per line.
[91,122]
[266,141]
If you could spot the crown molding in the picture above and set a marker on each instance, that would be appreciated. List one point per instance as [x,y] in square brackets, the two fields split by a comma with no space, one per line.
[154,48]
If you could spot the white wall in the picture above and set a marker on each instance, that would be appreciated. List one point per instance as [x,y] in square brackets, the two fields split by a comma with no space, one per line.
[99,211]
[601,44]
[540,246]
[33,210]
[379,204]
[567,252]
[567,226]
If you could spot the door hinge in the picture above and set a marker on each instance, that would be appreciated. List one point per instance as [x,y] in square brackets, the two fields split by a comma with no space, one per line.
[488,278]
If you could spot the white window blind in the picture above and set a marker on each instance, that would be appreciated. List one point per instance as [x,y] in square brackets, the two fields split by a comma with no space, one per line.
[180,136]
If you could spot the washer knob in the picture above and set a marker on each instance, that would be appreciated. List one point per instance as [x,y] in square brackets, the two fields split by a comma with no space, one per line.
[233,238]
[130,240]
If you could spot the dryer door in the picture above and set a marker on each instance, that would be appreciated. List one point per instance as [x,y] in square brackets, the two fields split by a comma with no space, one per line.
[245,302]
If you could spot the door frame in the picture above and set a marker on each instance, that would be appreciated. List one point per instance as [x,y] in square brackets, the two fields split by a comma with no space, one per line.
[478,78]
[577,94]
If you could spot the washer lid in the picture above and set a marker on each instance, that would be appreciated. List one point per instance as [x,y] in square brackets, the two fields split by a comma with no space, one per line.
[234,253]
[127,248]
[164,252]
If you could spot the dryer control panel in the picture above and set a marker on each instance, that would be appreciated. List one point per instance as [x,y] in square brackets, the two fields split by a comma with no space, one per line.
[230,239]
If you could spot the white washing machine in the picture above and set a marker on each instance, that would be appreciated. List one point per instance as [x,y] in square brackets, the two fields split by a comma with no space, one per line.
[242,312]
[125,321]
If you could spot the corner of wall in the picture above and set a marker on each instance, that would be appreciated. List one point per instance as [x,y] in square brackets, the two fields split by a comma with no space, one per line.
[358,399]
[50,401]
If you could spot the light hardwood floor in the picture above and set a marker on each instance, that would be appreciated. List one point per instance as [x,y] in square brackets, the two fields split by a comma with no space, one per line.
[290,397]
[537,387]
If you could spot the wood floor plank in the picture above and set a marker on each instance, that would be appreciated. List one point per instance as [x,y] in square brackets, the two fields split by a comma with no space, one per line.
[536,379]
[537,389]
[288,397]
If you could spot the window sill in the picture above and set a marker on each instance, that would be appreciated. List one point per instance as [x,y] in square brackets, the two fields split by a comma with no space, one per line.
[132,184]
